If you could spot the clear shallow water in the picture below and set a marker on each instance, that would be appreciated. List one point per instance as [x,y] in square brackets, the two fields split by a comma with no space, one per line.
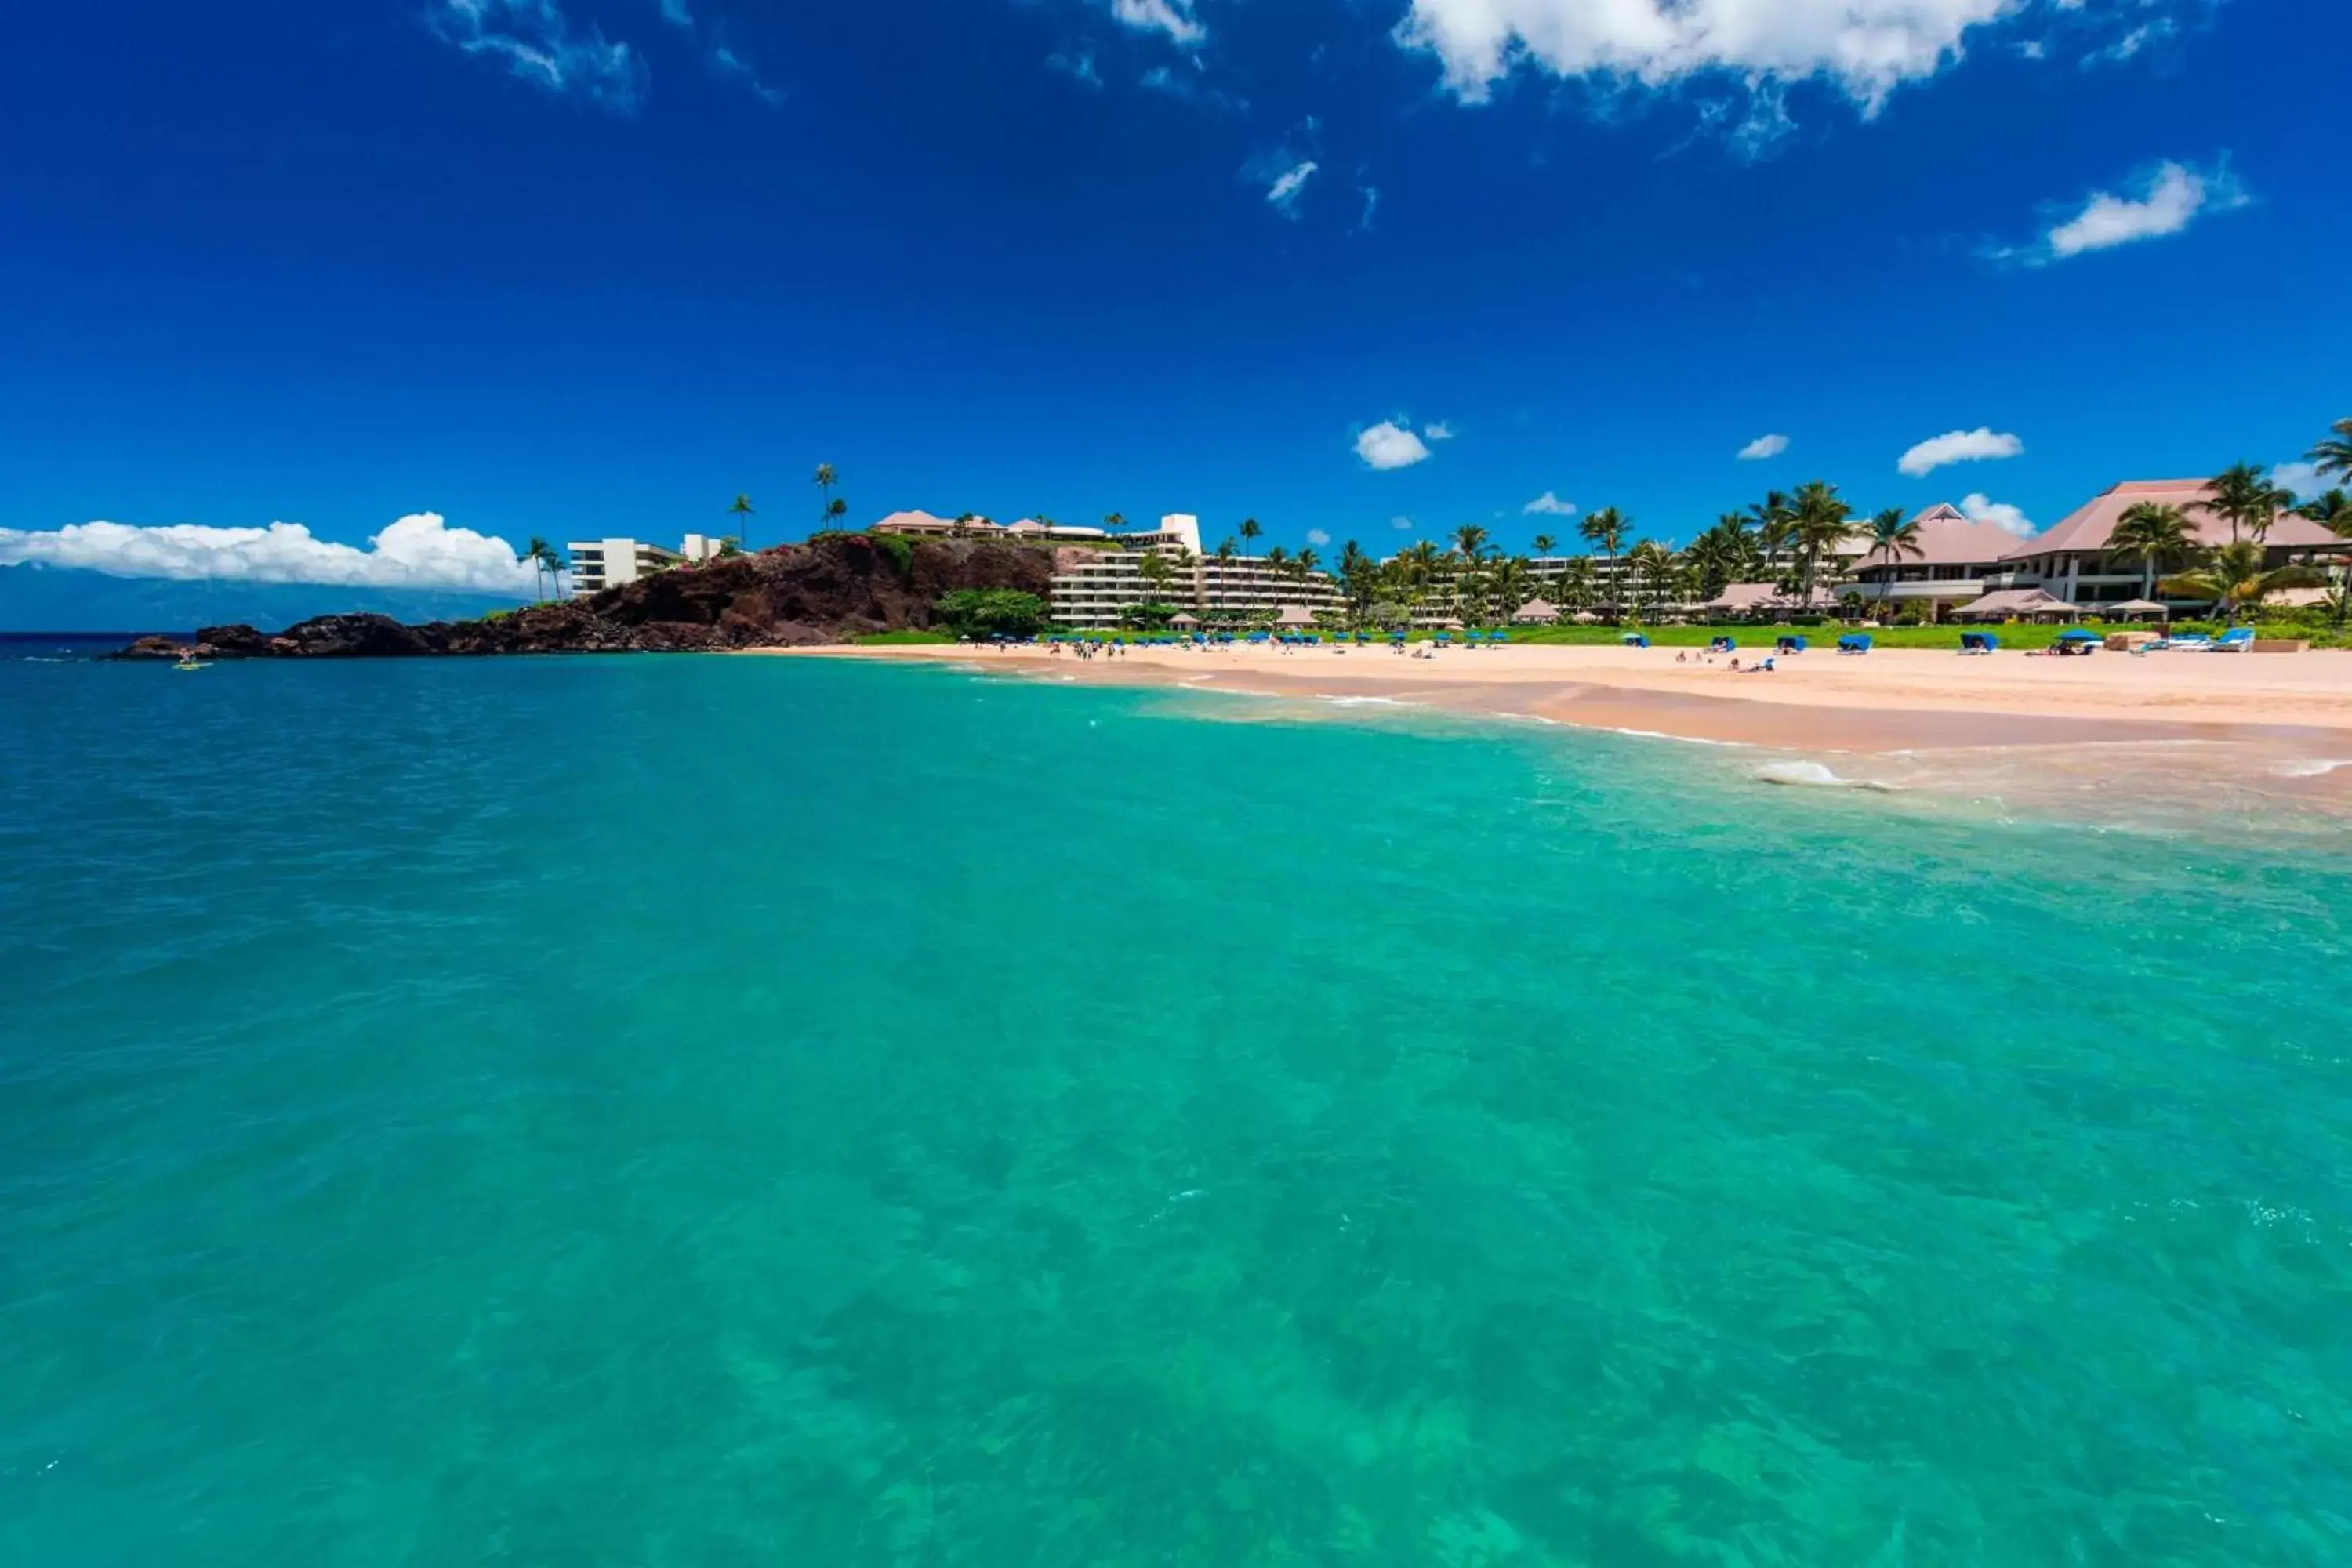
[872,1115]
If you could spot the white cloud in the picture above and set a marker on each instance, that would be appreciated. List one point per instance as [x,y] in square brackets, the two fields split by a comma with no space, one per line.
[1763,447]
[1865,48]
[1372,194]
[726,62]
[1400,522]
[675,11]
[1438,431]
[2170,197]
[1318,538]
[2130,44]
[1187,87]
[419,551]
[1284,192]
[2304,478]
[1979,508]
[1389,445]
[1957,446]
[1173,17]
[536,42]
[1549,504]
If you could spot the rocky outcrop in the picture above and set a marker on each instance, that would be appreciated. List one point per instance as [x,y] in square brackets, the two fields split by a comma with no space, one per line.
[826,591]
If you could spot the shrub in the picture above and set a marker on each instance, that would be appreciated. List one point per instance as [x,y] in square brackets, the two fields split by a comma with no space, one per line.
[992,612]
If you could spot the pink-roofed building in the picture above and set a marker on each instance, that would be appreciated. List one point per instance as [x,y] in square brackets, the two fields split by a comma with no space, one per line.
[1960,555]
[2072,561]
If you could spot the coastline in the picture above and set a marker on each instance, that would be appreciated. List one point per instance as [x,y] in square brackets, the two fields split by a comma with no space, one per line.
[1888,701]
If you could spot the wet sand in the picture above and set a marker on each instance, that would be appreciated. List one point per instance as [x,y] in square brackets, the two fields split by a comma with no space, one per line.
[1892,700]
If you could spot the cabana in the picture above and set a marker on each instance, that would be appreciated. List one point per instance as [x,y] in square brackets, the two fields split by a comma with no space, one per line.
[1634,639]
[1790,644]
[1536,613]
[1187,622]
[1723,645]
[1855,642]
[2131,607]
[2018,603]
[1294,615]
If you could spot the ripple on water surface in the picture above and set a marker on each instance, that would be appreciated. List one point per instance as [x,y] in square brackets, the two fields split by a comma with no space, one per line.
[884,1116]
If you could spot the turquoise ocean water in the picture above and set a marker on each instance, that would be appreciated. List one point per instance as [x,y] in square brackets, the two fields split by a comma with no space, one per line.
[706,1111]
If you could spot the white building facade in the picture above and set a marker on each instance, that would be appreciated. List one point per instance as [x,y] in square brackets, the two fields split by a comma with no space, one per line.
[1092,589]
[600,563]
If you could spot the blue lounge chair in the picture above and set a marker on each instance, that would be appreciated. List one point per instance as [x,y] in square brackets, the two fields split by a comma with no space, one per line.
[1855,642]
[1978,642]
[2237,639]
[1498,636]
[1790,644]
[1723,645]
[1635,640]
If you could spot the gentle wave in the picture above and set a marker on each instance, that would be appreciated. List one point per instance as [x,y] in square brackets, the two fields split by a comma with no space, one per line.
[1817,775]
[2310,767]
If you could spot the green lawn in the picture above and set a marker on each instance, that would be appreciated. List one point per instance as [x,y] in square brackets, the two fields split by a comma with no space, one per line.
[902,639]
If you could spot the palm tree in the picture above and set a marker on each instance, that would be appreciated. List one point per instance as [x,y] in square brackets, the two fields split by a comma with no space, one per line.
[2232,577]
[2332,511]
[1250,530]
[1576,583]
[1471,540]
[1225,550]
[553,559]
[536,554]
[1656,565]
[1893,535]
[742,514]
[825,480]
[1775,526]
[1545,544]
[1820,522]
[1723,555]
[1607,529]
[1278,557]
[835,510]
[1113,522]
[2157,536]
[2334,455]
[2245,496]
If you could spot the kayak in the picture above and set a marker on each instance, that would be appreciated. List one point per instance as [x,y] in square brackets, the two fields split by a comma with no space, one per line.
[192,666]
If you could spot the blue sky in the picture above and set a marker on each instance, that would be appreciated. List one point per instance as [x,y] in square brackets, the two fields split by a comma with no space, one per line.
[580,267]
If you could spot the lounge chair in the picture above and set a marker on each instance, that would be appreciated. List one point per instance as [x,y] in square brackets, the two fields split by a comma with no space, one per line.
[1635,640]
[2237,639]
[1723,645]
[1789,645]
[1978,642]
[1853,642]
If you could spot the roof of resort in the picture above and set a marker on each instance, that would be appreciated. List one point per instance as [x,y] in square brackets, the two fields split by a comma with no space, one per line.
[2018,602]
[1950,537]
[1537,610]
[2089,528]
[1740,597]
[1294,615]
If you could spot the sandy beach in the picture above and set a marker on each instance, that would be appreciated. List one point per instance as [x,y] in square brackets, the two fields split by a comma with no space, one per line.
[1888,700]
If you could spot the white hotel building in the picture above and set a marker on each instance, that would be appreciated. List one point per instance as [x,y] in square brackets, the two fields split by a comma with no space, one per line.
[1100,576]
[600,563]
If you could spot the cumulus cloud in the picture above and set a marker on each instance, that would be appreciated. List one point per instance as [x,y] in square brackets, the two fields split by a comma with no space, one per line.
[1400,522]
[1865,48]
[1285,191]
[418,551]
[1763,447]
[534,40]
[1372,194]
[1979,508]
[1438,431]
[1957,446]
[2170,198]
[2304,478]
[1173,17]
[1318,538]
[1389,445]
[1549,504]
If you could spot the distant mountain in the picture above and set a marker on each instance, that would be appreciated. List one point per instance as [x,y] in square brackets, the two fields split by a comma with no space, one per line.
[53,599]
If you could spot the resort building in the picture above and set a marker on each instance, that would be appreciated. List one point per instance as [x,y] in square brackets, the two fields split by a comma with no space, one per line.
[1094,589]
[600,563]
[1030,529]
[1959,557]
[2072,561]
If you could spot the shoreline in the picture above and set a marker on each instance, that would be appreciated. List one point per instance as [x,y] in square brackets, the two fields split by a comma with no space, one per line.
[1886,701]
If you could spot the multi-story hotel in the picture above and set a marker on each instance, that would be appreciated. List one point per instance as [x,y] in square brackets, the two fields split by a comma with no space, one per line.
[600,563]
[1094,588]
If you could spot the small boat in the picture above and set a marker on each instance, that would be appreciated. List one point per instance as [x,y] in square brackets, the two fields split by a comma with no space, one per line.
[192,664]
